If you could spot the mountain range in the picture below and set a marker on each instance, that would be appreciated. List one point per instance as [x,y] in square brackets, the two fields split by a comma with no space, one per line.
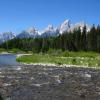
[32,32]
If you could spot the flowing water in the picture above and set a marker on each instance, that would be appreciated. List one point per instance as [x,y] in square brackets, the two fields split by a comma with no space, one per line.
[8,60]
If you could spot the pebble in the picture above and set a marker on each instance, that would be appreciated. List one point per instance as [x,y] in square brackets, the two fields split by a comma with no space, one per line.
[49,83]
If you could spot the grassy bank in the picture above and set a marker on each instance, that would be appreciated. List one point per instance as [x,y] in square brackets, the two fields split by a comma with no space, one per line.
[2,50]
[88,59]
[14,51]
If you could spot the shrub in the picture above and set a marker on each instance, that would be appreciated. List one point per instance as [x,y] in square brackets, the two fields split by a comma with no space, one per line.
[74,61]
[55,52]
[65,54]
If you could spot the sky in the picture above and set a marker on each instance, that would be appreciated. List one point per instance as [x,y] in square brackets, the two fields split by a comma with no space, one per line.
[17,15]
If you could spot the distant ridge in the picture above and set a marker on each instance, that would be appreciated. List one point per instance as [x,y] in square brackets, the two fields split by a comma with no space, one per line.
[32,32]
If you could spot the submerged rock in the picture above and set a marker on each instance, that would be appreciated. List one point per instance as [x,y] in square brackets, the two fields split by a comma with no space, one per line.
[38,82]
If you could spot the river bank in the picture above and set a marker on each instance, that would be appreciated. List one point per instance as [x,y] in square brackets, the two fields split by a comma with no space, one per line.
[46,81]
[77,59]
[37,82]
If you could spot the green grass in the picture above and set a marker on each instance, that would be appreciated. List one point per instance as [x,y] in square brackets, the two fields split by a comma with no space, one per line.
[88,59]
[81,54]
[2,50]
[14,50]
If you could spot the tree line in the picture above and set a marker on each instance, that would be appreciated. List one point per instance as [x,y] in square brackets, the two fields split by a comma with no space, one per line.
[77,40]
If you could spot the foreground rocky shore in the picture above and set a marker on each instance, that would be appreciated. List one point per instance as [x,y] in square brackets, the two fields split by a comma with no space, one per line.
[38,82]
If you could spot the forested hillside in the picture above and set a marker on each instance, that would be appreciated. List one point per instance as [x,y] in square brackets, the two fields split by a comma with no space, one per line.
[76,40]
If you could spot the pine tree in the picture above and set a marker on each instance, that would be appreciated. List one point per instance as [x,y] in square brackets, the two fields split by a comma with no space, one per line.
[92,39]
[84,39]
[98,38]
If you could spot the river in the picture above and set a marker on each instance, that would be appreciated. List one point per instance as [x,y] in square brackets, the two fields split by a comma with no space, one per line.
[8,60]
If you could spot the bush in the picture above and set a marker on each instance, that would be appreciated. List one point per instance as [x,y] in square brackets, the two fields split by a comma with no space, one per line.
[65,54]
[74,61]
[2,50]
[51,51]
[55,52]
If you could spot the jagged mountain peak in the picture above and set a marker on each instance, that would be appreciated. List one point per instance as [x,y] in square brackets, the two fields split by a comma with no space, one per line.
[65,26]
[29,33]
[6,36]
[80,25]
[32,30]
[66,22]
[49,31]
[49,28]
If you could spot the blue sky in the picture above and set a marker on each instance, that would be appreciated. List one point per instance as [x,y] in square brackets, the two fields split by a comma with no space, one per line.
[17,15]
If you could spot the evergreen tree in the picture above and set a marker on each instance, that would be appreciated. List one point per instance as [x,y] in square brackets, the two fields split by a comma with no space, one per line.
[72,41]
[92,39]
[83,39]
[98,38]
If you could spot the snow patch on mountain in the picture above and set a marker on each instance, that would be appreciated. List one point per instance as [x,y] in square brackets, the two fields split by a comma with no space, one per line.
[6,36]
[50,31]
[29,33]
[81,26]
[65,26]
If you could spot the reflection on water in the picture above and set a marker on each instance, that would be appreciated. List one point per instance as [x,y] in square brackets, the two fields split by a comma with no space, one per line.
[8,60]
